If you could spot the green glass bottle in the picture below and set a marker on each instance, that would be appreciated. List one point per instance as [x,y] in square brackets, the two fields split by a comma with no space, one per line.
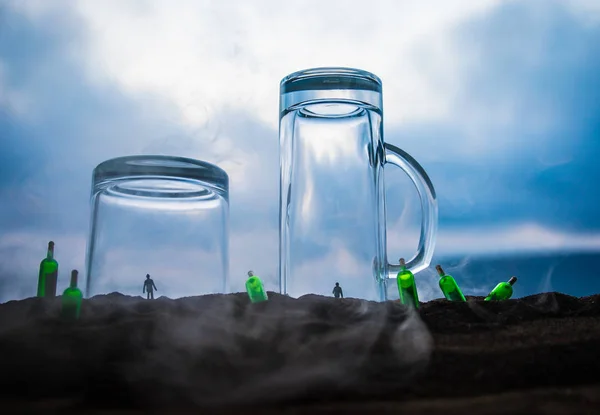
[407,289]
[502,291]
[449,286]
[48,274]
[71,299]
[255,288]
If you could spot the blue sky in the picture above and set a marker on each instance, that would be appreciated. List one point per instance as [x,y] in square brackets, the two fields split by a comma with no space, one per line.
[498,100]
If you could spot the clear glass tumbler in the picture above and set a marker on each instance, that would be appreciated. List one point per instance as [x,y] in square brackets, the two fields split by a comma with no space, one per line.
[332,197]
[159,215]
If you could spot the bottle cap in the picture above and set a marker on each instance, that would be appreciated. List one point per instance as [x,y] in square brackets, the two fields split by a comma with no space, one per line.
[439,269]
[512,280]
[402,262]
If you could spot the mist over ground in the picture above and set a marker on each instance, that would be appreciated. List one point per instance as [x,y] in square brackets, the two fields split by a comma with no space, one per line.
[218,350]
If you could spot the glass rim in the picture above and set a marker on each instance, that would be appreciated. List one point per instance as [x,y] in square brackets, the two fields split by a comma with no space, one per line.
[330,77]
[139,166]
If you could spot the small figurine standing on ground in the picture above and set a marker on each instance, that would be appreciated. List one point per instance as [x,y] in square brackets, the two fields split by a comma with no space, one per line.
[149,287]
[337,291]
[255,288]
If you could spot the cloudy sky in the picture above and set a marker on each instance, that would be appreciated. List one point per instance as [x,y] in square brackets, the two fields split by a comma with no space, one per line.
[498,100]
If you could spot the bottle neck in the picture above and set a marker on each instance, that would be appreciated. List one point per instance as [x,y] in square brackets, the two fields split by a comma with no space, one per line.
[402,265]
[73,280]
[50,254]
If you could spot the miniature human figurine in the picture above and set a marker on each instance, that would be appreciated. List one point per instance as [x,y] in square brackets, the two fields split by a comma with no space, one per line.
[407,289]
[149,287]
[502,291]
[255,289]
[337,291]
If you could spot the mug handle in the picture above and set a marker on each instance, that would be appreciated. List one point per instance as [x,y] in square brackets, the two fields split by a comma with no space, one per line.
[429,209]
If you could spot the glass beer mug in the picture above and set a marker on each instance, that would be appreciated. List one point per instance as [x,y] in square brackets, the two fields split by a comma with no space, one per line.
[332,194]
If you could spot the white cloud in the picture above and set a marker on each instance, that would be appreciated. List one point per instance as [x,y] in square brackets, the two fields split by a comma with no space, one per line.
[586,10]
[15,102]
[211,58]
[207,56]
[522,238]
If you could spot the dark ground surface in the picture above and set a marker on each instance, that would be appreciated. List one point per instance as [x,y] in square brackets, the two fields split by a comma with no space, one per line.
[221,354]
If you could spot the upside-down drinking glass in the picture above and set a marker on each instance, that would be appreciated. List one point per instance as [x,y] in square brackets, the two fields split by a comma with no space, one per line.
[159,215]
[332,196]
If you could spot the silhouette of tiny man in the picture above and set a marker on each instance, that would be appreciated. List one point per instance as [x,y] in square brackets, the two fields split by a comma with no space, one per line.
[148,287]
[337,291]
